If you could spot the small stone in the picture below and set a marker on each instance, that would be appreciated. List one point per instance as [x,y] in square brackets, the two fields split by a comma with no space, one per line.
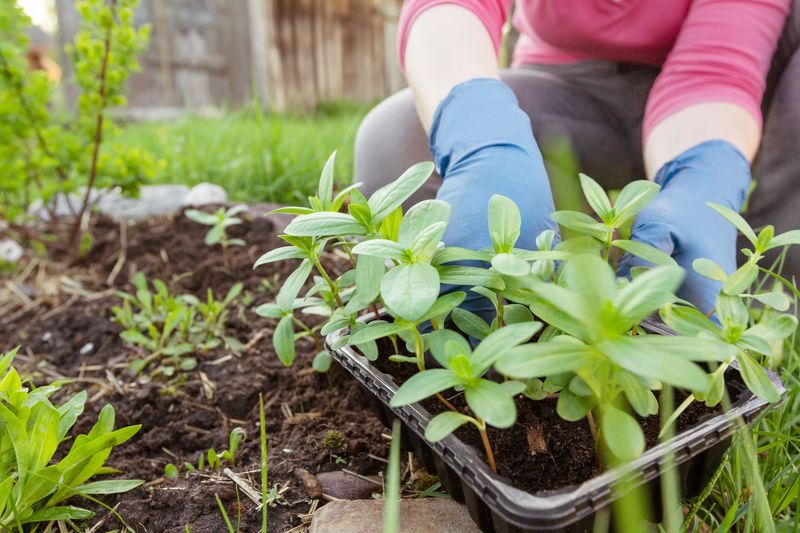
[535,437]
[10,251]
[310,482]
[426,515]
[47,337]
[346,486]
[87,348]
[153,200]
[205,194]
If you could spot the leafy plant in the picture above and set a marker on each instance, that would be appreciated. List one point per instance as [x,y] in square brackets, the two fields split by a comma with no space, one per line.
[43,156]
[219,221]
[33,433]
[169,326]
[591,350]
[211,458]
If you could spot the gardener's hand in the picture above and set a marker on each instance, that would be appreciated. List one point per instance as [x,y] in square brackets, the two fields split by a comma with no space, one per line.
[483,145]
[679,222]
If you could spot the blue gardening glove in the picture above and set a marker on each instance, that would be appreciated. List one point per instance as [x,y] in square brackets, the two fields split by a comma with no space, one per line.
[482,145]
[679,223]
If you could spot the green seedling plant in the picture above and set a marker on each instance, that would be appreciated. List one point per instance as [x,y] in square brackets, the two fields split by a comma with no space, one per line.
[211,458]
[34,484]
[171,327]
[220,220]
[391,288]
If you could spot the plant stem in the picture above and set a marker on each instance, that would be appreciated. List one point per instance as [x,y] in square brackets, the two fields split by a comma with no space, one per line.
[592,426]
[331,284]
[500,321]
[98,132]
[446,403]
[486,445]
[419,349]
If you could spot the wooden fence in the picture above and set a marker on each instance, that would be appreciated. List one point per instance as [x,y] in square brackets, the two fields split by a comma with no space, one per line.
[291,54]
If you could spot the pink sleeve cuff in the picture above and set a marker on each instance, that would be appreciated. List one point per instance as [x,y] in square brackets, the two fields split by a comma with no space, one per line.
[722,54]
[493,14]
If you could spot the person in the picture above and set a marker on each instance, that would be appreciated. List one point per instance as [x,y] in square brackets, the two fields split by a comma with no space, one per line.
[701,96]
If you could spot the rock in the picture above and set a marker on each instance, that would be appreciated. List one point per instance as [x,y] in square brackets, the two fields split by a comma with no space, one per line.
[310,482]
[346,486]
[205,194]
[153,200]
[278,221]
[426,515]
[10,251]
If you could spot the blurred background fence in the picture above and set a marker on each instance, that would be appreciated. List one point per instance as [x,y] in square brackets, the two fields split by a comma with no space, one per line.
[288,54]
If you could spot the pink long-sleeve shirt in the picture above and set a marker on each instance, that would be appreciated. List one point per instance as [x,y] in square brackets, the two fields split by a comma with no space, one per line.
[708,50]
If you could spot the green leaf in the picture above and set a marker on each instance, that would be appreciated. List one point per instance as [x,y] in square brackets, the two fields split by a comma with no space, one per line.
[269,310]
[283,340]
[470,323]
[500,342]
[648,292]
[687,320]
[382,248]
[582,223]
[640,358]
[369,272]
[111,486]
[544,359]
[571,407]
[596,196]
[454,253]
[410,290]
[280,254]
[491,402]
[504,223]
[376,330]
[708,268]
[443,305]
[736,219]
[51,514]
[325,190]
[756,379]
[214,235]
[774,329]
[424,384]
[470,277]
[391,196]
[325,224]
[427,242]
[322,362]
[445,343]
[291,210]
[510,265]
[201,217]
[776,300]
[632,199]
[516,314]
[291,287]
[421,216]
[741,280]
[785,239]
[732,311]
[645,251]
[444,424]
[622,434]
[640,398]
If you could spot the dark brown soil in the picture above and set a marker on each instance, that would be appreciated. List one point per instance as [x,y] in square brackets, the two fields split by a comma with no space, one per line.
[542,451]
[182,420]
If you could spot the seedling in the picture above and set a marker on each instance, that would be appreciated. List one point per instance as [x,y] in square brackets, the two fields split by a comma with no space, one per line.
[211,457]
[35,432]
[170,326]
[219,221]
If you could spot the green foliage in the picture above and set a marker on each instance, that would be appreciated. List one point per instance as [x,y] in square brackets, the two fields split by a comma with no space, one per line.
[171,327]
[592,351]
[211,458]
[219,221]
[34,432]
[42,156]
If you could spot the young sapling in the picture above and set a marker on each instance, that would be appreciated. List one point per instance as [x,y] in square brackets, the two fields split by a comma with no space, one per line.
[219,221]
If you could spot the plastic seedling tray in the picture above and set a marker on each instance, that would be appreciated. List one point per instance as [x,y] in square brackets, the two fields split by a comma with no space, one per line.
[496,506]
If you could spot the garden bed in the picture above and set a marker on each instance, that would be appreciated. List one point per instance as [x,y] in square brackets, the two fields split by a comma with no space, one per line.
[59,311]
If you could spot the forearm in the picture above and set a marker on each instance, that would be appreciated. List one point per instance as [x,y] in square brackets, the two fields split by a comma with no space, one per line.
[447,44]
[698,123]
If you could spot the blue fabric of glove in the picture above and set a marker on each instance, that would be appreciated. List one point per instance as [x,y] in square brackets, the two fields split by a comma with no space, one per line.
[482,145]
[679,223]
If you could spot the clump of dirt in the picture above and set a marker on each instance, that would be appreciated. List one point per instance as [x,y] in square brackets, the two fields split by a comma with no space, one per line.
[67,332]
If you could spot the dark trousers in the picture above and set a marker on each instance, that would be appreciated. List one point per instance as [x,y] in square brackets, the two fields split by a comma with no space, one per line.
[593,110]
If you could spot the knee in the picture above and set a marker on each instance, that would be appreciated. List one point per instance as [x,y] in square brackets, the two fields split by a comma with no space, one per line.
[388,140]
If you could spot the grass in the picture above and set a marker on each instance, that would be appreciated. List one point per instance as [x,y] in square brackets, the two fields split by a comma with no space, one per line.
[255,156]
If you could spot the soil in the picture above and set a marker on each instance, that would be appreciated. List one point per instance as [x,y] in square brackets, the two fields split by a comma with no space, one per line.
[58,308]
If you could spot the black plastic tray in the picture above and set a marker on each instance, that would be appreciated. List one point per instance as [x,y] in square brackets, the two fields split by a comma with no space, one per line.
[496,506]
